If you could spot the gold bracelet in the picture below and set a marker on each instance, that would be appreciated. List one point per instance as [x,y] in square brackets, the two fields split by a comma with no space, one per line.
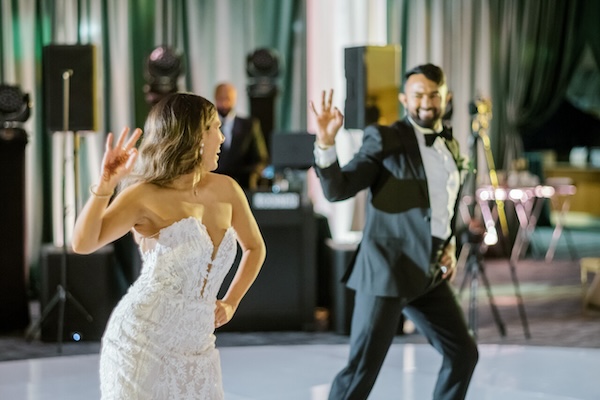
[324,147]
[101,196]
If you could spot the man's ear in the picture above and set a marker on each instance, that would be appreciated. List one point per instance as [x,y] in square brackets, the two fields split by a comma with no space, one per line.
[402,98]
[448,98]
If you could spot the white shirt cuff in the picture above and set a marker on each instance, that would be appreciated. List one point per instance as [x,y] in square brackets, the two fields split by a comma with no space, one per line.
[325,157]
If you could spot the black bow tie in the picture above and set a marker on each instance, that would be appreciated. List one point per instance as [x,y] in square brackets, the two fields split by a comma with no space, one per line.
[430,137]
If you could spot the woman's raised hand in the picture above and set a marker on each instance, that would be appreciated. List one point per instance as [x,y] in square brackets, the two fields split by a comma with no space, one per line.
[118,160]
[329,120]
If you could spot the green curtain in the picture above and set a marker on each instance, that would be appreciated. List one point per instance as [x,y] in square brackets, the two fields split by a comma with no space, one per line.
[452,34]
[535,47]
[584,90]
[280,26]
[591,18]
[124,34]
[142,14]
[216,36]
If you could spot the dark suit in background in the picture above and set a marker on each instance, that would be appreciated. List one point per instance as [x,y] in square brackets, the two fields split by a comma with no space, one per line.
[244,153]
[398,265]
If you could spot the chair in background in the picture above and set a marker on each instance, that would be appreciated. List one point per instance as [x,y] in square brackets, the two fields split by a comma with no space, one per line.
[591,293]
[560,204]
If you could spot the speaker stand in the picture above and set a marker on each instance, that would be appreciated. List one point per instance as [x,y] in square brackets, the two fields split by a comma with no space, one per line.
[62,294]
[59,299]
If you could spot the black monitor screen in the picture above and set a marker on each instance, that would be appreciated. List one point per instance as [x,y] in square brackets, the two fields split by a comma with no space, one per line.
[292,150]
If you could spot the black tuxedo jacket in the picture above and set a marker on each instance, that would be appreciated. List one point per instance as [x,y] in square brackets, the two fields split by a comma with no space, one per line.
[247,153]
[393,258]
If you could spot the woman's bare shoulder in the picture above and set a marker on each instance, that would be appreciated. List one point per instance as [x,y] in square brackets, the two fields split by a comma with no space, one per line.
[139,188]
[224,189]
[223,184]
[138,197]
[220,178]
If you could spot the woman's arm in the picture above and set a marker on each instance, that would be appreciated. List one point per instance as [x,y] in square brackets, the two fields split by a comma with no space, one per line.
[98,223]
[253,255]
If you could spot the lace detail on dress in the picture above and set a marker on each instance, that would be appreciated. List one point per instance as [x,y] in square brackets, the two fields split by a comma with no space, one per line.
[159,341]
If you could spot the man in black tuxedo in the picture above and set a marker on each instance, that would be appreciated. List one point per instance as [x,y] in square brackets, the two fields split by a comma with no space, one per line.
[244,153]
[407,253]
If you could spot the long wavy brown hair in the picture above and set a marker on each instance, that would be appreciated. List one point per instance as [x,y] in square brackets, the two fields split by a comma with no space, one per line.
[172,140]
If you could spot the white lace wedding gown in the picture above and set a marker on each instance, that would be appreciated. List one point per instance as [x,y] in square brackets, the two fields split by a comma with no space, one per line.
[159,342]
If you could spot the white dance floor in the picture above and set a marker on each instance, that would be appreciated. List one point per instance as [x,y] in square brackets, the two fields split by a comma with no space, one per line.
[304,372]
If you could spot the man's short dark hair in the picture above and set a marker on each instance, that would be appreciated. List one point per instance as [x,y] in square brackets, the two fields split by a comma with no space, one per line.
[431,72]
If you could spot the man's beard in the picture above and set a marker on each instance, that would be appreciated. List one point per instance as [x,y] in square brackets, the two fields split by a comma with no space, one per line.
[428,123]
[223,112]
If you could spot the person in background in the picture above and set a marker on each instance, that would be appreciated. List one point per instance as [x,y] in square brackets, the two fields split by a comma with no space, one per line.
[159,342]
[407,254]
[244,153]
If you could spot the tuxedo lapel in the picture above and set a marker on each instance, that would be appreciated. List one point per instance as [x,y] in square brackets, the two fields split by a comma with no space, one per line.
[413,154]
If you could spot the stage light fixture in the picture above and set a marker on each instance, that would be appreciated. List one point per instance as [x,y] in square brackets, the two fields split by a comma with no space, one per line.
[263,68]
[262,63]
[163,68]
[15,106]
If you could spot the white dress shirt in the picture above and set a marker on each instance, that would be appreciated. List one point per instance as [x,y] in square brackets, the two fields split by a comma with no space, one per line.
[442,183]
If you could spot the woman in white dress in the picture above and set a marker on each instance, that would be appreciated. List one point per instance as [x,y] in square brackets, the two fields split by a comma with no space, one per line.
[159,342]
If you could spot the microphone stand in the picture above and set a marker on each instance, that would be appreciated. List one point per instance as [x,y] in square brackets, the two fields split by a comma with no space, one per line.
[62,293]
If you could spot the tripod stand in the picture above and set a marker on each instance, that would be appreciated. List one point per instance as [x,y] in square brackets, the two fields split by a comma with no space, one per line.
[471,257]
[479,237]
[62,294]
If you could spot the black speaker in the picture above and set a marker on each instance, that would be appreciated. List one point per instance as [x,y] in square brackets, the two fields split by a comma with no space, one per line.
[292,150]
[283,297]
[372,85]
[342,298]
[14,309]
[95,281]
[263,109]
[78,62]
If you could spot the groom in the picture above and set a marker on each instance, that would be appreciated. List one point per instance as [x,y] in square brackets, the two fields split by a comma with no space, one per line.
[407,254]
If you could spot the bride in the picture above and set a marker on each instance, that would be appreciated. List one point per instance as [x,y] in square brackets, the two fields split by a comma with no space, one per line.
[159,342]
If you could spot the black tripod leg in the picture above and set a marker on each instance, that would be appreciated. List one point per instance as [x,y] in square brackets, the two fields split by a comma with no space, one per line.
[61,315]
[61,318]
[49,307]
[520,305]
[59,299]
[471,274]
[461,262]
[494,309]
[473,312]
[78,305]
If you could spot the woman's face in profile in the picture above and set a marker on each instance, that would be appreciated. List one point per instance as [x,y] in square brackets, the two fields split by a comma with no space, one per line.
[212,140]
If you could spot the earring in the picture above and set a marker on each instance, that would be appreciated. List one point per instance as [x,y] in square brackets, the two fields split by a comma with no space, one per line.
[201,148]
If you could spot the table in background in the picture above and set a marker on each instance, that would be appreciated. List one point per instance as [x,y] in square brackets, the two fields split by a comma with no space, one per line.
[528,203]
[587,181]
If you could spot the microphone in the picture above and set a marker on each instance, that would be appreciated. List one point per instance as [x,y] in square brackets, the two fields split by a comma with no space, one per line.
[480,106]
[472,108]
